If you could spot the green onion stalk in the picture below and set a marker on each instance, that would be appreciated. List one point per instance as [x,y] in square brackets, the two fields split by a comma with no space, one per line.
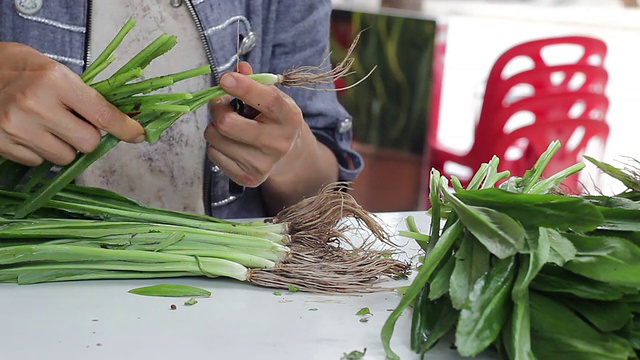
[155,112]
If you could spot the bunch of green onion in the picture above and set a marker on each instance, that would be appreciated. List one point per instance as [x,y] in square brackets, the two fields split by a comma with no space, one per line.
[87,234]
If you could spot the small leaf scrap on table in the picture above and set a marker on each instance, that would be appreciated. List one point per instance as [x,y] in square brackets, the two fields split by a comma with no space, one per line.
[525,270]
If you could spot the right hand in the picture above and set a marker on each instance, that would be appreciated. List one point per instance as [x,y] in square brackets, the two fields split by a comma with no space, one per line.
[48,113]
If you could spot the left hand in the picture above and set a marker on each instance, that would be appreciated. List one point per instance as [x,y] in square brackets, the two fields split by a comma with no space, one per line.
[251,150]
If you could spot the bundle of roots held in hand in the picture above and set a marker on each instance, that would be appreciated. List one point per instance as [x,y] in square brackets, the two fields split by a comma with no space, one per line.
[320,227]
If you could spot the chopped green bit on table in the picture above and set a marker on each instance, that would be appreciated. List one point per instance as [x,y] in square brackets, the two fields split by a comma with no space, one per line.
[277,293]
[354,355]
[364,311]
[293,288]
[191,301]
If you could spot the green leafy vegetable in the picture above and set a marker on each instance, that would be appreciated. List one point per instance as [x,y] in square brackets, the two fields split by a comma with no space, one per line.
[533,275]
[499,233]
[486,309]
[354,355]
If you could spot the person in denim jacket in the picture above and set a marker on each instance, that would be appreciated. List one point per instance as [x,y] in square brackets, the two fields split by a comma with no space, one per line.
[299,141]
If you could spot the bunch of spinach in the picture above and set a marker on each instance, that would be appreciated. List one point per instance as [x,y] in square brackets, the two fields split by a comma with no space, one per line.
[530,273]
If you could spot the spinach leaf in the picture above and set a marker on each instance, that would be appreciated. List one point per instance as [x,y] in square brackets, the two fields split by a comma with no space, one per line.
[608,259]
[471,262]
[499,233]
[486,309]
[443,317]
[558,280]
[606,316]
[440,283]
[546,210]
[561,249]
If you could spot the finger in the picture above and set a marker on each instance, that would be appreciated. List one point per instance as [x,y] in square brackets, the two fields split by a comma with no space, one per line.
[97,110]
[269,100]
[29,133]
[227,124]
[256,161]
[51,148]
[233,169]
[244,68]
[21,154]
[246,110]
[76,132]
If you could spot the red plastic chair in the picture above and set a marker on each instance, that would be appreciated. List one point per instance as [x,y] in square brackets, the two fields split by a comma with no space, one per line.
[536,110]
[532,53]
[550,100]
[576,137]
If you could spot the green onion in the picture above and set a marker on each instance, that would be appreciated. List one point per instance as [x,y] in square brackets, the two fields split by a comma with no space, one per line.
[85,233]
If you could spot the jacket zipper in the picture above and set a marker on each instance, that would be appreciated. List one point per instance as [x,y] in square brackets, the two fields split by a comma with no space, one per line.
[208,166]
[203,39]
[87,35]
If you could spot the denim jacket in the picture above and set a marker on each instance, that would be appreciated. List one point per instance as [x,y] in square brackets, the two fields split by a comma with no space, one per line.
[288,33]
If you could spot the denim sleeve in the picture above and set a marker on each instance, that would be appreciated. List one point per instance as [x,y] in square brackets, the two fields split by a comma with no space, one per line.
[302,38]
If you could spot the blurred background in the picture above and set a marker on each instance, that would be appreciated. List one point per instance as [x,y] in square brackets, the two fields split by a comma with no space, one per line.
[431,102]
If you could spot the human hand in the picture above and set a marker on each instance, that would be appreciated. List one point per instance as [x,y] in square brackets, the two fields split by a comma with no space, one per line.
[250,151]
[48,113]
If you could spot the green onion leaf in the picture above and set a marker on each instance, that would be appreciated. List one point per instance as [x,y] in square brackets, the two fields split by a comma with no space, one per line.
[171,290]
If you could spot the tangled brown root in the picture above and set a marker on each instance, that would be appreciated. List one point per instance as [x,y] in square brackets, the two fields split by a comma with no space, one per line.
[319,261]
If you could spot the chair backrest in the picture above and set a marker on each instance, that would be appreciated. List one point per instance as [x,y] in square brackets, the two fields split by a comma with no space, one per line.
[541,54]
[549,80]
[537,109]
[520,149]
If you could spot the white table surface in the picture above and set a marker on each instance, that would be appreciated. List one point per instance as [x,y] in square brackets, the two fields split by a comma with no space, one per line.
[101,320]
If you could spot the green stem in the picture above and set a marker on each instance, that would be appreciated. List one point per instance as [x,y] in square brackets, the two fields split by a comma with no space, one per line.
[141,87]
[159,46]
[65,176]
[207,266]
[439,251]
[105,87]
[111,47]
[40,275]
[250,261]
[89,76]
[155,98]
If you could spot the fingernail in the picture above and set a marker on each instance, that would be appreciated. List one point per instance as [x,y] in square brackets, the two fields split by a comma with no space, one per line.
[228,81]
[140,139]
[223,99]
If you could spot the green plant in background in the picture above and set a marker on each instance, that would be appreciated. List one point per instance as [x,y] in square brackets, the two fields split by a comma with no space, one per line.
[391,110]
